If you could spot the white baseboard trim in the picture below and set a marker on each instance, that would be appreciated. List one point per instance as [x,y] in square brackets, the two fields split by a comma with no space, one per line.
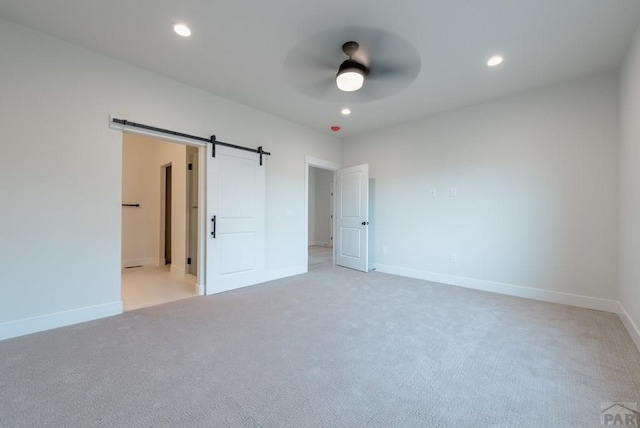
[508,289]
[58,319]
[197,288]
[319,243]
[631,327]
[283,273]
[139,262]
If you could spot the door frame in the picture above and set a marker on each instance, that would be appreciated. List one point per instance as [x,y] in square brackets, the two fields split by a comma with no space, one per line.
[310,161]
[162,232]
[188,215]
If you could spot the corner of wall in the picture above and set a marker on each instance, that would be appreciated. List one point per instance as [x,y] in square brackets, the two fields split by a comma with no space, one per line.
[628,187]
[632,328]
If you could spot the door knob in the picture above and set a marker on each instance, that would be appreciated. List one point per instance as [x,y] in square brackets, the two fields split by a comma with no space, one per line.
[365,223]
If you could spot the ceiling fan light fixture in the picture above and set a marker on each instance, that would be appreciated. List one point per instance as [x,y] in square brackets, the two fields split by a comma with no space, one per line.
[350,81]
[350,76]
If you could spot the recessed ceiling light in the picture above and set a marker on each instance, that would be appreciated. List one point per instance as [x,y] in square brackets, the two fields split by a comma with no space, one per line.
[495,60]
[182,29]
[345,111]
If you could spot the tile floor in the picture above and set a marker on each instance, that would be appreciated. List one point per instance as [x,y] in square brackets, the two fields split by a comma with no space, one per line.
[153,285]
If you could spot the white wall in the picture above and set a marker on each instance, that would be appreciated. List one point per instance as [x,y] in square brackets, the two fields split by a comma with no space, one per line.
[139,186]
[60,246]
[629,254]
[536,204]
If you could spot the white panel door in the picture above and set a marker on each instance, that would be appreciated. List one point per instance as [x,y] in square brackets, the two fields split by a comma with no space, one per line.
[236,219]
[352,212]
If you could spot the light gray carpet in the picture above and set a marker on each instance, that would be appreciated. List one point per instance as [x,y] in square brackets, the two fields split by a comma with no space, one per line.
[332,348]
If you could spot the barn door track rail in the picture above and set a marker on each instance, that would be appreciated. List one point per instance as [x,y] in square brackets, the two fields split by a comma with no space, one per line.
[212,140]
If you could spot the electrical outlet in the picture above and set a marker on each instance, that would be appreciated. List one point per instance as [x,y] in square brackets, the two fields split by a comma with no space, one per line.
[454,192]
[453,258]
[384,249]
[434,193]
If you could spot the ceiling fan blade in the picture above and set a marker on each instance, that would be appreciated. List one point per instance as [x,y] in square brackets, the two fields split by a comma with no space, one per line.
[320,89]
[301,59]
[407,70]
[375,45]
[312,65]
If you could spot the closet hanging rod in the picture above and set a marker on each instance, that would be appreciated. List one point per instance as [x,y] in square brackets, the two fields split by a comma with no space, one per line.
[131,205]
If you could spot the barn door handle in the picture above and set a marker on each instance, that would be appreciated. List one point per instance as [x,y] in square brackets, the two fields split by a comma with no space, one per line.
[213,227]
[365,223]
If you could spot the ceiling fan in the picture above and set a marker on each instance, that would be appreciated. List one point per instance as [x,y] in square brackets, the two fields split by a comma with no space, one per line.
[350,76]
[379,64]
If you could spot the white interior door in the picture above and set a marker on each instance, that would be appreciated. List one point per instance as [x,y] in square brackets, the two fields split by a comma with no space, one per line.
[352,212]
[236,219]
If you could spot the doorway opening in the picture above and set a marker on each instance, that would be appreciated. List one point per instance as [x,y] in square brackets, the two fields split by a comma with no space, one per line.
[320,217]
[320,184]
[350,211]
[159,224]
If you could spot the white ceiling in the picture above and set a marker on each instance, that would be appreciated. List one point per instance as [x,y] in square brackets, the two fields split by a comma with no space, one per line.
[239,48]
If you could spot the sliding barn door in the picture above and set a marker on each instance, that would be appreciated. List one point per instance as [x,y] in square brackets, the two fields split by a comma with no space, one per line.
[352,222]
[236,219]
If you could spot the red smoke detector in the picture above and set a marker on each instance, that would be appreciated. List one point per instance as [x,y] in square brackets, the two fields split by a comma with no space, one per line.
[335,128]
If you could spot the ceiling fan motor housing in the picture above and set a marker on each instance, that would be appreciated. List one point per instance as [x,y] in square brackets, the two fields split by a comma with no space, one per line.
[350,48]
[350,64]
